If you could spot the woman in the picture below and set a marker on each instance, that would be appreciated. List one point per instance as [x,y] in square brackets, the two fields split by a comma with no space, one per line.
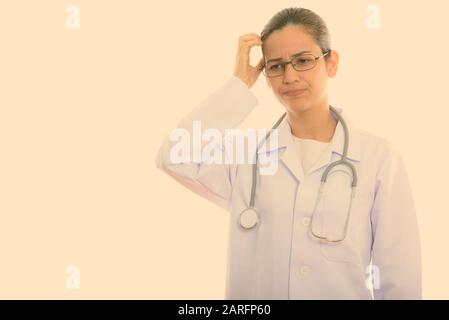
[294,244]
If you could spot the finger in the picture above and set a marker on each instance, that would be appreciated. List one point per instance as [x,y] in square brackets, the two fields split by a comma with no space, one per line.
[250,42]
[257,40]
[246,46]
[249,36]
[260,64]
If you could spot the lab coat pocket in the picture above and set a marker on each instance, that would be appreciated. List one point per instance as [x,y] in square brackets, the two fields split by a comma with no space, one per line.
[335,207]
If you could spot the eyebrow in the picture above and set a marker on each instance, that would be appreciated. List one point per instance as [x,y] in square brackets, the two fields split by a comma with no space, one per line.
[293,55]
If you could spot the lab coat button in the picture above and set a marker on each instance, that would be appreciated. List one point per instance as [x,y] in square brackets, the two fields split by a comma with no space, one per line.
[304,270]
[306,221]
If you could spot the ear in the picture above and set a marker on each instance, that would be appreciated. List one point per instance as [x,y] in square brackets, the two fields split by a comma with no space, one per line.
[266,78]
[332,64]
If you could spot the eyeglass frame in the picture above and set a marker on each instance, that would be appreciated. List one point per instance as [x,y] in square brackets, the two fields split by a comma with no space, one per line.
[285,63]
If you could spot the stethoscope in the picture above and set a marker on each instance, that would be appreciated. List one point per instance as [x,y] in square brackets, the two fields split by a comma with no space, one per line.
[249,217]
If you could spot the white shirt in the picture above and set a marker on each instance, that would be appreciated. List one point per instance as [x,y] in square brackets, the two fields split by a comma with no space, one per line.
[279,259]
[309,151]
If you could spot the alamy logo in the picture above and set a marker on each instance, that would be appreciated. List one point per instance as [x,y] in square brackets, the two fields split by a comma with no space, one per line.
[237,147]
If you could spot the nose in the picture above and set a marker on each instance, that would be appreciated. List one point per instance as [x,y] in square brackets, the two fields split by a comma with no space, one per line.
[290,74]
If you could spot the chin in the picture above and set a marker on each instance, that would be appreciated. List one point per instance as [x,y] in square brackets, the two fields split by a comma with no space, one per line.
[296,106]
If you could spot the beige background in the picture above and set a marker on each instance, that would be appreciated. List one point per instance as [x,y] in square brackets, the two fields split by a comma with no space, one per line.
[82,113]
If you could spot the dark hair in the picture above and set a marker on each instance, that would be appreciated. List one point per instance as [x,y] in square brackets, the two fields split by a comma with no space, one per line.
[312,23]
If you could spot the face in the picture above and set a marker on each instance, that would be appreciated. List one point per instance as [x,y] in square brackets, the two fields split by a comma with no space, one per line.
[286,42]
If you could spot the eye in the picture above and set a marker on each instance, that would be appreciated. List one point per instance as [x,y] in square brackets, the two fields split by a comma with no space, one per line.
[303,60]
[274,66]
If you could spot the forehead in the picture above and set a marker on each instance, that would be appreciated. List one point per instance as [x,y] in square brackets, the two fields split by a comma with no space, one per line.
[287,41]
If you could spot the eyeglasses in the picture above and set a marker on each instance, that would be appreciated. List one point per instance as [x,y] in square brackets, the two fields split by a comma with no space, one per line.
[302,62]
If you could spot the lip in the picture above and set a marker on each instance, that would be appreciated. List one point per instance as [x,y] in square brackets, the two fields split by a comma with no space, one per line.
[295,93]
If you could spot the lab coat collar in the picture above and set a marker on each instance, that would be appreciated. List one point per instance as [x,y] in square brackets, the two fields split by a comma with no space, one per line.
[332,153]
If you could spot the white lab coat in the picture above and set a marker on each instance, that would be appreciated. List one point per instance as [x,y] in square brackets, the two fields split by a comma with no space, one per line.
[278,259]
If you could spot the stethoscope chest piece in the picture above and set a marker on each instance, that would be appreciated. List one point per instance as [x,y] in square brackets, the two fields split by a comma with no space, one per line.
[249,218]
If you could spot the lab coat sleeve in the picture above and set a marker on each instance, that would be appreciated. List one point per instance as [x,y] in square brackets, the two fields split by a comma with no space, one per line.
[396,247]
[224,109]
